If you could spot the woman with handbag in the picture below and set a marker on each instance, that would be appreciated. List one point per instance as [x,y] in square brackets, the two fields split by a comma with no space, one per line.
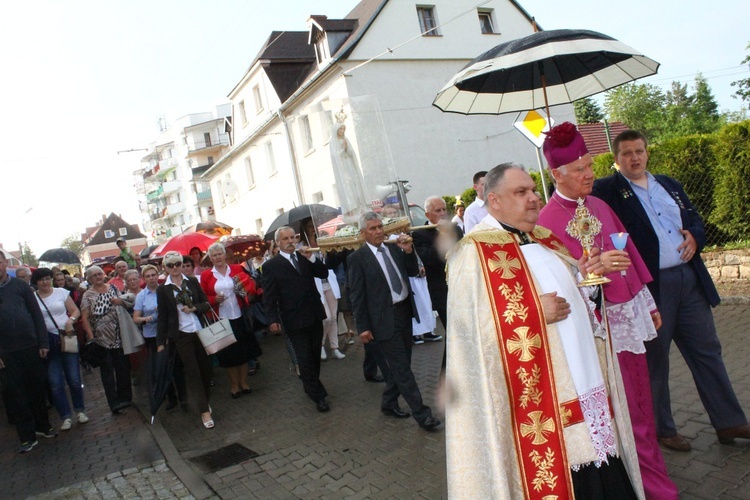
[60,313]
[228,288]
[101,323]
[180,305]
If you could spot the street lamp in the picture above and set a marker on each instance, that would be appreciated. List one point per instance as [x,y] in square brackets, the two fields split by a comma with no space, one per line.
[18,229]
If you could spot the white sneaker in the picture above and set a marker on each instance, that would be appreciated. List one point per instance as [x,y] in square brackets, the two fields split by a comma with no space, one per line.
[338,354]
[323,355]
[66,425]
[82,418]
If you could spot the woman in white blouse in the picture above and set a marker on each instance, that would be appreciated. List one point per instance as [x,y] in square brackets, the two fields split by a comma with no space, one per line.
[60,313]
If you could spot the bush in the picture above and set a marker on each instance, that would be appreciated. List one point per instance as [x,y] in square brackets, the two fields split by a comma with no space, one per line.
[603,165]
[732,185]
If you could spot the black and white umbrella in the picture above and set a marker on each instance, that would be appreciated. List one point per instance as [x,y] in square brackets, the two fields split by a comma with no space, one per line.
[541,70]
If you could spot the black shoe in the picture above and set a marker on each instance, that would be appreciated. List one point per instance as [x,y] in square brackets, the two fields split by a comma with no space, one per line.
[375,379]
[395,412]
[431,337]
[429,424]
[419,339]
[120,406]
[322,406]
[49,433]
[235,395]
[247,391]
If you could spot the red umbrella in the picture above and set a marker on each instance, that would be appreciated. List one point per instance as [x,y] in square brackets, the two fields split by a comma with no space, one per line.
[182,243]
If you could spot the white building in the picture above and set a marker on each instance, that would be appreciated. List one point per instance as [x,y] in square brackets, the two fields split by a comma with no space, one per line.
[172,195]
[381,66]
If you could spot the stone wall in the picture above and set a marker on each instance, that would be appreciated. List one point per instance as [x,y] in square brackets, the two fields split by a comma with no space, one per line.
[728,264]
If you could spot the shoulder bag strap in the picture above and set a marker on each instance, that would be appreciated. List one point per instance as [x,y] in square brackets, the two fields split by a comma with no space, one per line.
[47,309]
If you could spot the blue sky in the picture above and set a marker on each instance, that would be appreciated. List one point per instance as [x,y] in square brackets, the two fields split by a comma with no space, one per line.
[84,79]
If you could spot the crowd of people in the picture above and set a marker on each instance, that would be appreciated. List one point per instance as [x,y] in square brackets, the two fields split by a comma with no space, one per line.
[552,383]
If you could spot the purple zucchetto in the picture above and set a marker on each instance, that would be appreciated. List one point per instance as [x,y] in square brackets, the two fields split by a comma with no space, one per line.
[564,144]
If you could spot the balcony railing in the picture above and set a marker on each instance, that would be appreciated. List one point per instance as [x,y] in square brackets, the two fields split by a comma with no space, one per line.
[203,195]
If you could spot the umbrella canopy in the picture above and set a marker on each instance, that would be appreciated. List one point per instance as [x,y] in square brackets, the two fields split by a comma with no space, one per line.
[147,251]
[160,378]
[60,256]
[541,70]
[182,243]
[245,246]
[211,227]
[319,213]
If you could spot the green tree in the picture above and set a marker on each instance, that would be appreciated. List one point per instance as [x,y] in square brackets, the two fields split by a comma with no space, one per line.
[28,257]
[704,117]
[73,243]
[639,106]
[743,85]
[588,111]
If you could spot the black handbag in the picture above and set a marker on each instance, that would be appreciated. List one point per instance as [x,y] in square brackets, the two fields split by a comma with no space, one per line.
[93,354]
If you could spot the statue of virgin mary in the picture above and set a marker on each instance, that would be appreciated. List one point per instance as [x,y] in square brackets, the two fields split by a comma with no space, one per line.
[349,181]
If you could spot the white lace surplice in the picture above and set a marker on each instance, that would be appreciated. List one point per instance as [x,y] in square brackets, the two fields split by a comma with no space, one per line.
[630,322]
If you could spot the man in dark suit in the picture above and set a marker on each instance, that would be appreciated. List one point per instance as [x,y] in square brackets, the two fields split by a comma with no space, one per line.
[669,234]
[383,308]
[291,299]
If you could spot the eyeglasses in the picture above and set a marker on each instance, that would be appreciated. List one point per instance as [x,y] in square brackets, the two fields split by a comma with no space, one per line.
[174,264]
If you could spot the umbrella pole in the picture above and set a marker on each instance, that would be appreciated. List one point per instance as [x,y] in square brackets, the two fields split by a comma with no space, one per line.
[541,174]
[544,91]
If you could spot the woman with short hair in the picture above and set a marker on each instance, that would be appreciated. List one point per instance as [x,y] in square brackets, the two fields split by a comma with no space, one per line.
[228,288]
[181,305]
[101,324]
[60,313]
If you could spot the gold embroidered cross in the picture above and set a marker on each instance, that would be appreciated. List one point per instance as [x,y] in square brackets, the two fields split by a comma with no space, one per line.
[524,342]
[507,266]
[565,415]
[538,427]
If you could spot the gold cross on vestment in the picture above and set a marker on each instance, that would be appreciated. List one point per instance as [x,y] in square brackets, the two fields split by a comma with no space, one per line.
[507,266]
[539,427]
[524,342]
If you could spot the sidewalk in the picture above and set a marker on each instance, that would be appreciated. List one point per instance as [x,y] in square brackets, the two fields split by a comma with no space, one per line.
[353,451]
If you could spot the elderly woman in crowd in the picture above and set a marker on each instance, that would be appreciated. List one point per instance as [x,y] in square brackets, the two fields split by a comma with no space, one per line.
[60,313]
[228,288]
[100,323]
[181,304]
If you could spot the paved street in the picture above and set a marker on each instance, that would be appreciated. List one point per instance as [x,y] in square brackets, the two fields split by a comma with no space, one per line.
[352,452]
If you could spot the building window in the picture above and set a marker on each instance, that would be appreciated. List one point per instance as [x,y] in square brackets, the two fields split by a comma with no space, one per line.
[108,233]
[318,197]
[259,226]
[257,98]
[306,133]
[123,231]
[427,20]
[210,160]
[243,115]
[270,159]
[485,21]
[250,175]
[207,138]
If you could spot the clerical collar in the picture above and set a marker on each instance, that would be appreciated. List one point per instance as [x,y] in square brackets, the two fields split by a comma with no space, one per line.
[525,240]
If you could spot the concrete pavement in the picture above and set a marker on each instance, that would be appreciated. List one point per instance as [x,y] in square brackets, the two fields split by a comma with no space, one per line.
[353,451]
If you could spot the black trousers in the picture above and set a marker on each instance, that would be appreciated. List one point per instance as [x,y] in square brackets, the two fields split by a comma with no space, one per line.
[115,373]
[306,343]
[197,368]
[396,352]
[24,381]
[373,361]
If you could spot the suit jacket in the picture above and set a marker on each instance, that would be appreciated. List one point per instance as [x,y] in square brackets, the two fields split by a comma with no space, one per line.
[290,297]
[168,320]
[434,263]
[616,191]
[370,294]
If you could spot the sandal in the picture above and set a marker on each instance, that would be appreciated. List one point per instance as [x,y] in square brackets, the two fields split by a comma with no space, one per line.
[208,424]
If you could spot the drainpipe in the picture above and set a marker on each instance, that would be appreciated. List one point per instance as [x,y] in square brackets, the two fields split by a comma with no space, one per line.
[293,157]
